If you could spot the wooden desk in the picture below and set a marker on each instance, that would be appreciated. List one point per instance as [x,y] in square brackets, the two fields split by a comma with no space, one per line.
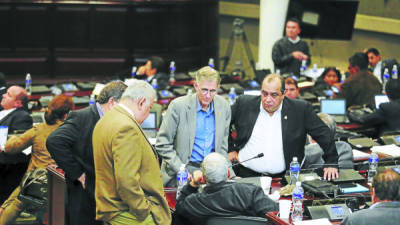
[56,194]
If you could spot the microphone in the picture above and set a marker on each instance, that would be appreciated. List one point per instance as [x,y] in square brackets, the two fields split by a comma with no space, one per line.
[255,157]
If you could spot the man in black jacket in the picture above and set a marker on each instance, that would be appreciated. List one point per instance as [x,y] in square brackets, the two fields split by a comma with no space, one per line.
[71,147]
[154,69]
[289,52]
[276,126]
[219,197]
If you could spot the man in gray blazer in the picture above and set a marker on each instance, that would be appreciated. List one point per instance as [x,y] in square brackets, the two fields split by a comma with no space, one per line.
[194,126]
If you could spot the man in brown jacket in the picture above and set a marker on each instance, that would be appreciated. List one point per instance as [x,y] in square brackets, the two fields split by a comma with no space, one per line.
[129,186]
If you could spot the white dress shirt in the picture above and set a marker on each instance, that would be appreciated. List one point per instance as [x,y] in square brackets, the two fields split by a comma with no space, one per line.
[378,71]
[5,112]
[266,138]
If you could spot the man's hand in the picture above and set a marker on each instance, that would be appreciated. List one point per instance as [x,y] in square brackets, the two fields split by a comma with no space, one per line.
[82,179]
[299,55]
[331,173]
[233,156]
[197,179]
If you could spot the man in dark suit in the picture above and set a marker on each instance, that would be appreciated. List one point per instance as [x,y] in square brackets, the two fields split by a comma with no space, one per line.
[16,118]
[71,147]
[276,126]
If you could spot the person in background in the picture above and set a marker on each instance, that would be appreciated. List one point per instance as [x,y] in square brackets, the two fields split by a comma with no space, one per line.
[289,52]
[15,116]
[291,88]
[377,65]
[324,83]
[154,69]
[277,127]
[386,118]
[71,147]
[129,187]
[194,126]
[36,137]
[361,86]
[220,197]
[386,202]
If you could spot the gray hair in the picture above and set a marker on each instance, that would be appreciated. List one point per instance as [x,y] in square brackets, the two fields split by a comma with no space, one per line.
[329,121]
[207,73]
[215,168]
[114,90]
[139,89]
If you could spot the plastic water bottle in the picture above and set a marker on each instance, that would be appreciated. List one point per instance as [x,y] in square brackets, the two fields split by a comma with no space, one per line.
[385,78]
[181,179]
[297,200]
[92,99]
[373,166]
[133,73]
[303,67]
[278,71]
[172,69]
[154,83]
[28,84]
[294,170]
[189,91]
[315,68]
[342,77]
[395,72]
[232,96]
[211,62]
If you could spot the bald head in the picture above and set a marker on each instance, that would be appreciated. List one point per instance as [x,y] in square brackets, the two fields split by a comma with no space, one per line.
[386,186]
[15,97]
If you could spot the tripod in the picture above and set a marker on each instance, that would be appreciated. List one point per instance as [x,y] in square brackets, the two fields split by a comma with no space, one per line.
[238,32]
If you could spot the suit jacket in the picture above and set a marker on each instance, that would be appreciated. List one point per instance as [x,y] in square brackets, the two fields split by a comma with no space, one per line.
[298,120]
[386,118]
[19,119]
[383,213]
[71,147]
[128,176]
[175,138]
[360,89]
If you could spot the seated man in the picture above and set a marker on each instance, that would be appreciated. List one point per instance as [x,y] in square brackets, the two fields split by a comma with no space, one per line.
[386,118]
[386,197]
[219,197]
[154,69]
[291,88]
[16,118]
[314,152]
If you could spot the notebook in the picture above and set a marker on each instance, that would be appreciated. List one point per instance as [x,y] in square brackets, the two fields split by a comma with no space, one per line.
[380,99]
[149,125]
[336,108]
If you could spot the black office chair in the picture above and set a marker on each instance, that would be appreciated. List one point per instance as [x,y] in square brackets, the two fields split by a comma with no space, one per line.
[236,220]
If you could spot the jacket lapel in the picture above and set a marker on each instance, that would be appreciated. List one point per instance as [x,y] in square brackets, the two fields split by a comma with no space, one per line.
[284,119]
[8,115]
[219,121]
[191,120]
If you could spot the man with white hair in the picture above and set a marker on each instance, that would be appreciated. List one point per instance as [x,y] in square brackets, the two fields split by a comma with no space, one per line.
[128,187]
[219,197]
[195,125]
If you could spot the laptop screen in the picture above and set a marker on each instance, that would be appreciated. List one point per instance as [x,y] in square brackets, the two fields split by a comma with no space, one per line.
[380,99]
[150,122]
[333,106]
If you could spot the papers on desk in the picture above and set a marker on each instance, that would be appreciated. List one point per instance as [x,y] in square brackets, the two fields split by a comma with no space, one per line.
[28,150]
[323,221]
[391,150]
[314,74]
[152,141]
[357,155]
[355,189]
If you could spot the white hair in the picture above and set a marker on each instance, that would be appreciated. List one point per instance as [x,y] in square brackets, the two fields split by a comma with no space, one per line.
[138,89]
[215,168]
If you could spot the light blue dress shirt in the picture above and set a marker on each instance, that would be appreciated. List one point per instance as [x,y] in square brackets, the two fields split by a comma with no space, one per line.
[204,140]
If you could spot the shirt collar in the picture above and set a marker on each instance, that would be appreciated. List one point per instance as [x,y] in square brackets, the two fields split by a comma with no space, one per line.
[127,109]
[199,108]
[99,109]
[295,41]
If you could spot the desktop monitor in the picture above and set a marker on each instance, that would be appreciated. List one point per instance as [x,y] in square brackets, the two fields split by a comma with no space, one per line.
[150,122]
[380,99]
[333,106]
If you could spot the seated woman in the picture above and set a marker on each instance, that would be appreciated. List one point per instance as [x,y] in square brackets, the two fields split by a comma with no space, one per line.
[386,118]
[328,78]
[55,114]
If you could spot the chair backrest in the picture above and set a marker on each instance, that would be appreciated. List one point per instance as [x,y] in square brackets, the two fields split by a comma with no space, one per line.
[236,220]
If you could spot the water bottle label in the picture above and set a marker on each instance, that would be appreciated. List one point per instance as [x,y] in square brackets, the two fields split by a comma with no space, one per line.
[28,81]
[233,95]
[182,177]
[298,195]
[295,168]
[373,160]
[386,76]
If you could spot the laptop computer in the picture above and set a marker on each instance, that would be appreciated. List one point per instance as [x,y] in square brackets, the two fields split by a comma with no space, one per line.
[379,99]
[149,125]
[336,108]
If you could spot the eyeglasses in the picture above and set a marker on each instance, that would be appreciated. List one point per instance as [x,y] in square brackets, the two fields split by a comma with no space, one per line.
[273,95]
[205,91]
